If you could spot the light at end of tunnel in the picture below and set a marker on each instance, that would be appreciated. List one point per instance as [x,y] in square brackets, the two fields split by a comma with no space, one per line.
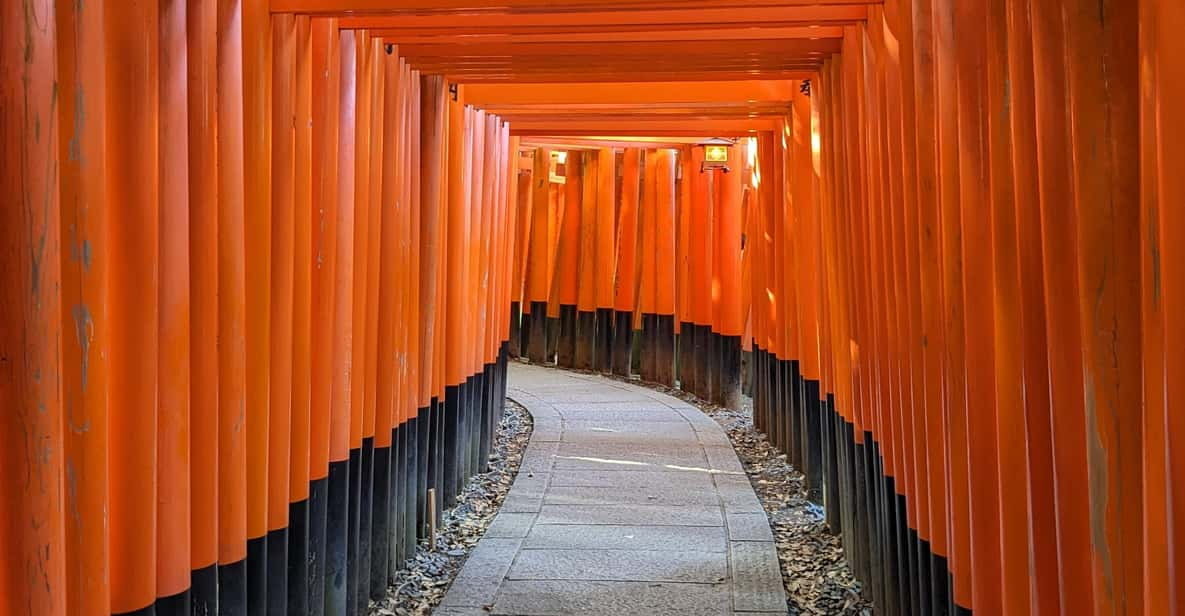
[561,157]
[815,142]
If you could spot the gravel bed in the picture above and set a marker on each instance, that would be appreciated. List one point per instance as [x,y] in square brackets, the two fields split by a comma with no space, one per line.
[418,588]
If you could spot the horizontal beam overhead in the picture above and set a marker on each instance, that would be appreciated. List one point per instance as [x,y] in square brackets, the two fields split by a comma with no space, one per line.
[356,7]
[564,21]
[629,93]
[643,126]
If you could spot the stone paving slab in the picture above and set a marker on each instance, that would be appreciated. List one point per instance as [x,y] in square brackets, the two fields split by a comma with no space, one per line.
[608,478]
[671,494]
[631,514]
[620,565]
[547,598]
[628,501]
[626,537]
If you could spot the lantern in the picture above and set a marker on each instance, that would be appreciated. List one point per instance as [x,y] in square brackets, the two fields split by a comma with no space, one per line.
[715,154]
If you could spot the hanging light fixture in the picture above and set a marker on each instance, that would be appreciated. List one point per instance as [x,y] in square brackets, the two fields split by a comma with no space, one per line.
[715,154]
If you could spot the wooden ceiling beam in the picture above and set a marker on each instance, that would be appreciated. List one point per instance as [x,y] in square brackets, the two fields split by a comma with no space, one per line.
[748,47]
[358,7]
[610,37]
[585,21]
[644,126]
[626,93]
[529,77]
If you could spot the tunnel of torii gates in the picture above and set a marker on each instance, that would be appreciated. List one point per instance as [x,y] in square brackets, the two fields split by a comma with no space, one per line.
[263,265]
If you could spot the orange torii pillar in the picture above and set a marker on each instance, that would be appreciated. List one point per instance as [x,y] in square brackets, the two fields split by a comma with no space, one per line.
[625,281]
[521,193]
[604,257]
[457,280]
[1163,282]
[728,322]
[361,439]
[32,425]
[684,359]
[383,285]
[536,292]
[433,201]
[658,268]
[84,316]
[761,299]
[326,69]
[586,203]
[699,275]
[302,327]
[565,287]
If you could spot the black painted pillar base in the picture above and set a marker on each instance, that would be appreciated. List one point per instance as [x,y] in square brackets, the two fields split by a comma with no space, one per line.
[450,448]
[685,356]
[257,575]
[409,499]
[516,336]
[380,525]
[665,347]
[317,554]
[487,413]
[277,572]
[813,442]
[730,371]
[203,589]
[537,333]
[712,360]
[647,349]
[232,588]
[354,523]
[337,538]
[746,372]
[423,435]
[553,339]
[365,519]
[832,508]
[566,348]
[436,470]
[796,424]
[603,346]
[623,340]
[586,336]
[298,562]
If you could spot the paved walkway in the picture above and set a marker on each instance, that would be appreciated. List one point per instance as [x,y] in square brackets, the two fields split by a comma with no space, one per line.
[628,501]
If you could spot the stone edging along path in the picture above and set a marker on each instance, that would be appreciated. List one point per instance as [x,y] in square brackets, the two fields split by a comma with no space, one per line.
[628,501]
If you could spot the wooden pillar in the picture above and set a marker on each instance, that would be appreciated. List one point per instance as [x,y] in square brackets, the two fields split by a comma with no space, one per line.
[174,372]
[727,257]
[1104,140]
[664,266]
[326,75]
[300,444]
[537,257]
[133,185]
[282,115]
[606,236]
[1162,284]
[625,281]
[256,88]
[31,523]
[565,287]
[81,55]
[1059,245]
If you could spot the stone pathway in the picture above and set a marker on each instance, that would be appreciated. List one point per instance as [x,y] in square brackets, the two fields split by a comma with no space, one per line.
[628,501]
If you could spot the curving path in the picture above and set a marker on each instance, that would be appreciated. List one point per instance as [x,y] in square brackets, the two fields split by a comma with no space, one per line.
[628,501]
